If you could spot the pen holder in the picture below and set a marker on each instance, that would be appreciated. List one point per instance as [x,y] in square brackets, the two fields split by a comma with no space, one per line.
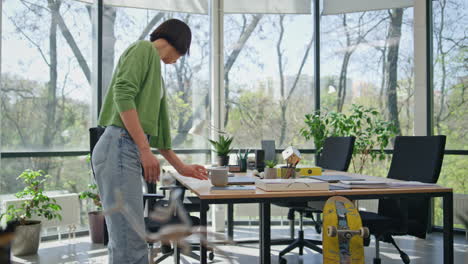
[242,164]
[287,173]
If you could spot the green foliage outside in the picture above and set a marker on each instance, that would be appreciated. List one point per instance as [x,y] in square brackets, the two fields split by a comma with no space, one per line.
[37,203]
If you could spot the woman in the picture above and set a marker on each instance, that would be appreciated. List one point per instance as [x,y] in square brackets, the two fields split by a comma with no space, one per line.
[136,118]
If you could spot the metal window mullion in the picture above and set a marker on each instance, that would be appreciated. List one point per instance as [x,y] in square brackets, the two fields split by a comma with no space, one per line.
[97,42]
[430,91]
[429,70]
[1,73]
[317,53]
[216,67]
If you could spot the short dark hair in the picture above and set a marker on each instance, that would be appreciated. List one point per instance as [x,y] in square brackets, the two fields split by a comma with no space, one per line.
[176,32]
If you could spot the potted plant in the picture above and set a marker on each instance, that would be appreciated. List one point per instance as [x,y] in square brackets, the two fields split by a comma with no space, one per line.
[222,147]
[366,124]
[95,217]
[242,160]
[270,170]
[36,203]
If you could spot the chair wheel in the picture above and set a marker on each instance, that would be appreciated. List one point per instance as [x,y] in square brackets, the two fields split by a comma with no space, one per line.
[405,258]
[282,260]
[364,232]
[211,255]
[332,231]
[166,249]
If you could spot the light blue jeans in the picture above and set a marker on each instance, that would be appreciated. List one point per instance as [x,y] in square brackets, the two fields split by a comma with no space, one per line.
[117,168]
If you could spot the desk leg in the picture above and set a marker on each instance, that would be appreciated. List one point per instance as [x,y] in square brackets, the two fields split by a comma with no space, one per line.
[448,228]
[265,229]
[230,220]
[203,223]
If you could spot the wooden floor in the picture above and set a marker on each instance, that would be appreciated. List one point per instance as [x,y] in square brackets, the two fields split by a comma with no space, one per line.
[420,251]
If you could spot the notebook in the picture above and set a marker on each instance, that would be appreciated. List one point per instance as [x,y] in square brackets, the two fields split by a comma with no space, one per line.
[384,184]
[241,180]
[275,185]
[335,178]
[233,189]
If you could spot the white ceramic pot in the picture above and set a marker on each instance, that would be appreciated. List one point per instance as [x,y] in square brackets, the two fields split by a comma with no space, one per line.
[27,239]
[270,173]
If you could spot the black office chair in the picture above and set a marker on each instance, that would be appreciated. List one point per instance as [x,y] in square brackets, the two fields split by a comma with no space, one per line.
[336,155]
[416,158]
[152,199]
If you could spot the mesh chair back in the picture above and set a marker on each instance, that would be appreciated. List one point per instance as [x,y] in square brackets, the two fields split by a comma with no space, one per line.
[337,153]
[94,134]
[417,158]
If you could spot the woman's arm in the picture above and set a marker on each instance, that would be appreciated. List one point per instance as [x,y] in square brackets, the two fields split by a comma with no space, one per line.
[149,162]
[195,171]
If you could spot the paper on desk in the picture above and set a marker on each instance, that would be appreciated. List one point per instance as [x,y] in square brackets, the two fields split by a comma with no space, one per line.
[385,184]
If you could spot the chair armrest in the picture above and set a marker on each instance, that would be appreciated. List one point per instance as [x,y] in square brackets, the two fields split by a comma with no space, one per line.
[153,196]
[169,187]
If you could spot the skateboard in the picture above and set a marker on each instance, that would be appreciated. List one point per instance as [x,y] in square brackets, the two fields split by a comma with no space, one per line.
[343,236]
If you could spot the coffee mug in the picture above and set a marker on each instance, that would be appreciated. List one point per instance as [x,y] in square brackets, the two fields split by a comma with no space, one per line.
[218,176]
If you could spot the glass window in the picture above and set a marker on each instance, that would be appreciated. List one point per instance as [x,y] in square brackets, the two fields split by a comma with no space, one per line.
[187,82]
[68,174]
[450,72]
[46,61]
[268,78]
[453,175]
[450,99]
[367,59]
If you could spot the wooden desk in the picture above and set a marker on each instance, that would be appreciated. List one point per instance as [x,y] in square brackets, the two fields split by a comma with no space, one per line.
[202,190]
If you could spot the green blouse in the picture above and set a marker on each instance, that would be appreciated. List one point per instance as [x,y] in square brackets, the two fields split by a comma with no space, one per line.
[137,84]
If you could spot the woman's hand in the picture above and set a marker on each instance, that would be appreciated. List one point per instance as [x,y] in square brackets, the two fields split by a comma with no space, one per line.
[194,171]
[151,167]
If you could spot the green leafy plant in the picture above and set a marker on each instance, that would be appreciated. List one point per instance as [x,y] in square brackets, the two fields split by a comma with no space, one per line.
[367,125]
[270,163]
[36,203]
[92,194]
[223,145]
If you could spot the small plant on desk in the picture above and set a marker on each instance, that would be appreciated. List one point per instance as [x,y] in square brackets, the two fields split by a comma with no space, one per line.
[270,170]
[270,163]
[222,147]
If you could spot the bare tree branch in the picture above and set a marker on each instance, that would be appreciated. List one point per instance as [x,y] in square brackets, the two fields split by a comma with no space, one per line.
[150,25]
[74,47]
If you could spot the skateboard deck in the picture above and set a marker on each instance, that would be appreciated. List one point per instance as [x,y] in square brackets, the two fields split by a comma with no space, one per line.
[343,234]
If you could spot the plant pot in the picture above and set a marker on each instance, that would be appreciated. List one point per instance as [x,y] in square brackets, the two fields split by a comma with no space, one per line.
[27,239]
[270,173]
[96,226]
[223,161]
